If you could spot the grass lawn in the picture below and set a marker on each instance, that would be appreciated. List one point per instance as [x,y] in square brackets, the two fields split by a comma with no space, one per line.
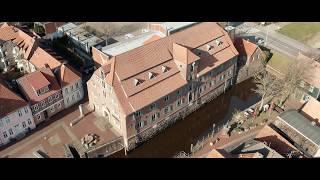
[300,31]
[280,62]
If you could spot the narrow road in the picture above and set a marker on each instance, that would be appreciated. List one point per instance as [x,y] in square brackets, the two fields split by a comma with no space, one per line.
[275,40]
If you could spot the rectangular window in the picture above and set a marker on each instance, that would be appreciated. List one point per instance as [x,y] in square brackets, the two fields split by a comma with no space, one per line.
[230,72]
[5,135]
[153,117]
[137,114]
[140,124]
[71,88]
[158,115]
[43,104]
[190,87]
[179,102]
[221,77]
[77,85]
[29,122]
[178,92]
[103,85]
[20,114]
[166,110]
[24,124]
[145,123]
[213,82]
[67,100]
[166,98]
[52,109]
[66,91]
[26,110]
[78,95]
[152,106]
[59,105]
[72,97]
[10,131]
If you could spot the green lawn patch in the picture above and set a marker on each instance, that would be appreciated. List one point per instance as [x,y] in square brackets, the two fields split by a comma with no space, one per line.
[280,62]
[300,31]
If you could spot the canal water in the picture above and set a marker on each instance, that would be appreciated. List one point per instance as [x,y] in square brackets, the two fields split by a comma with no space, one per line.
[182,134]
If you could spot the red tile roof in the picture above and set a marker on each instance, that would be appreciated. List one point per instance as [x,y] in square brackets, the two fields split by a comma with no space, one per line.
[27,86]
[23,40]
[245,47]
[9,101]
[37,80]
[40,58]
[137,63]
[152,38]
[68,75]
[312,109]
[314,73]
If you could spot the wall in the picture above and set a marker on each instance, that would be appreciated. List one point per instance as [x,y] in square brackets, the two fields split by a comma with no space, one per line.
[71,94]
[16,124]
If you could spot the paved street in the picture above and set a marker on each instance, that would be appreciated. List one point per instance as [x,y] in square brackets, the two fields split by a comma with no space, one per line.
[275,40]
[52,135]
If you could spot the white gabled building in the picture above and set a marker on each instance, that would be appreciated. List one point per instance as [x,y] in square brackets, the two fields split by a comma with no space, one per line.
[71,84]
[15,115]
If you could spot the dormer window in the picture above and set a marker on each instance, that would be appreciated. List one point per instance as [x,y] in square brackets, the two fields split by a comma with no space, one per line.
[218,42]
[151,75]
[137,82]
[102,75]
[164,69]
[209,47]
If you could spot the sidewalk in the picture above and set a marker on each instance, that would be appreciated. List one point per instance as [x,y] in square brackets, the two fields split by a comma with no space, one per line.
[52,138]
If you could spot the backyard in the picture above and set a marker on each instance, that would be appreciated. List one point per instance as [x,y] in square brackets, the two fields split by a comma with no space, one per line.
[308,33]
[279,62]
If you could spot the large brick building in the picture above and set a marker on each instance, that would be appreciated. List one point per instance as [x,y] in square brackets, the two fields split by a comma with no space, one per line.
[143,90]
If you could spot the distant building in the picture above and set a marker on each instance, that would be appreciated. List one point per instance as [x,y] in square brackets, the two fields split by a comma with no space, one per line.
[168,28]
[82,40]
[15,115]
[43,92]
[301,131]
[144,89]
[49,28]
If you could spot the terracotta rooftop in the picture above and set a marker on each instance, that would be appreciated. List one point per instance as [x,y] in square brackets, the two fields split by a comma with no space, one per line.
[314,77]
[245,47]
[312,109]
[9,101]
[67,75]
[275,140]
[42,76]
[17,36]
[152,38]
[136,64]
[40,58]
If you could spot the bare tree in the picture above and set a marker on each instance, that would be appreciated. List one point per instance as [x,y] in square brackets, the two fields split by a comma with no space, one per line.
[296,72]
[266,86]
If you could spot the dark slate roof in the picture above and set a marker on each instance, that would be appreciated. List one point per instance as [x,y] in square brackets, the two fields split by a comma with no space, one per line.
[302,125]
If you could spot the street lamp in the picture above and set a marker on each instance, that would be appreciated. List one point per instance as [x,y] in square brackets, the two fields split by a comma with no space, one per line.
[265,43]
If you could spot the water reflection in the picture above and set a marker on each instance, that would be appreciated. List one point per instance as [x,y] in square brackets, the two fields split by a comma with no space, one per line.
[181,135]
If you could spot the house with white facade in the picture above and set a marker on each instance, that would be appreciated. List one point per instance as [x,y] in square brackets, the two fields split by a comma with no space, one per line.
[15,115]
[71,83]
[43,92]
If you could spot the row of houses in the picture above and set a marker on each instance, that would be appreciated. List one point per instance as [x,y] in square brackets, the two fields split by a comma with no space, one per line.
[48,85]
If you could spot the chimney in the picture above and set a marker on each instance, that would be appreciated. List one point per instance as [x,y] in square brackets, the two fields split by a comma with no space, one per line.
[150,75]
[209,47]
[164,69]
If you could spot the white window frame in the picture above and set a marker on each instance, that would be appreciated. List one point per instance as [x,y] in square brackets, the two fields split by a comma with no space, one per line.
[19,113]
[5,135]
[24,124]
[10,132]
[26,110]
[29,121]
[166,110]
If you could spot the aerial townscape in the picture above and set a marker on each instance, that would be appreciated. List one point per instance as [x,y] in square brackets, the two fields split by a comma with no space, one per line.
[159,89]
